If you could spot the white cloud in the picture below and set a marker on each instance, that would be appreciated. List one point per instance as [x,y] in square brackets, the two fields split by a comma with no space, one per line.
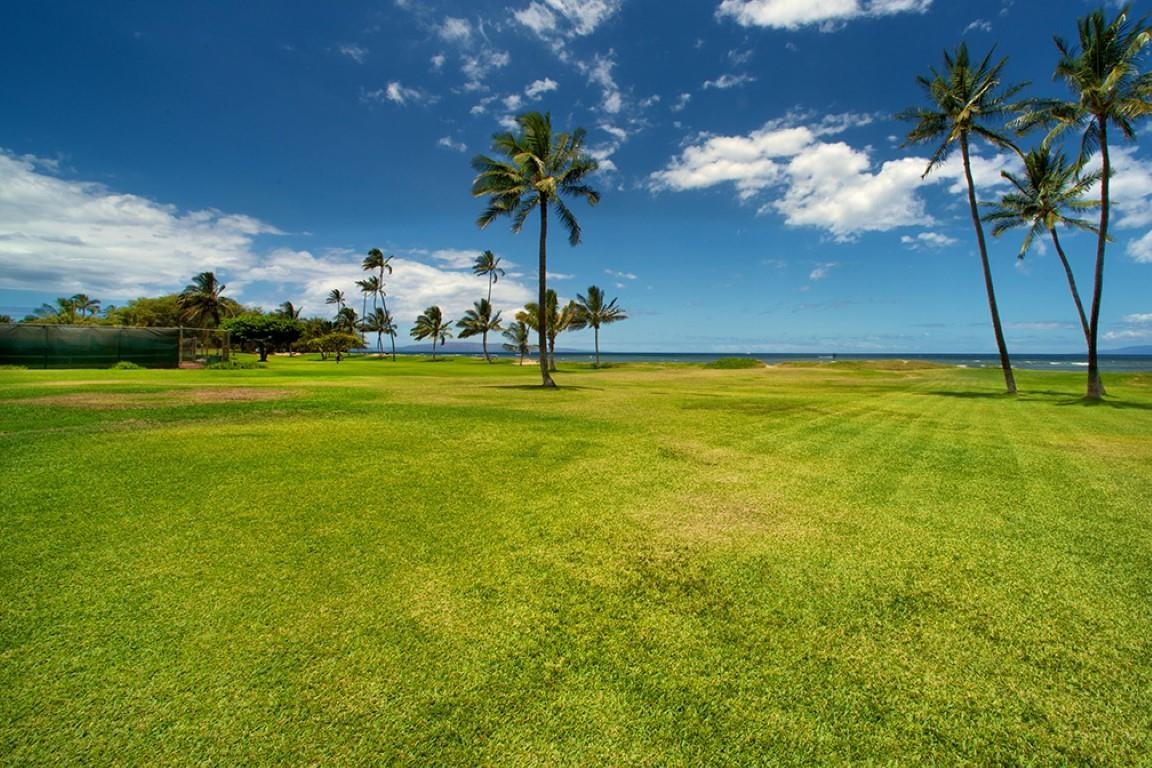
[355,52]
[455,30]
[793,14]
[599,72]
[681,102]
[396,93]
[438,62]
[1143,318]
[449,143]
[821,271]
[979,25]
[477,68]
[513,102]
[724,82]
[538,88]
[566,18]
[623,275]
[1140,250]
[827,185]
[928,240]
[75,236]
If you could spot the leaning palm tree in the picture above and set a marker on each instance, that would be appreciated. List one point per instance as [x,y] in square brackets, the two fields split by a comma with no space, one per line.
[537,170]
[964,98]
[479,321]
[519,340]
[592,312]
[1042,199]
[557,319]
[336,296]
[488,264]
[432,325]
[376,260]
[378,321]
[369,286]
[1104,74]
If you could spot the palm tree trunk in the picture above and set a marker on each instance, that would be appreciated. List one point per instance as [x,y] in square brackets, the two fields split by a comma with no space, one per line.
[1095,385]
[596,335]
[1005,363]
[1071,284]
[484,342]
[542,317]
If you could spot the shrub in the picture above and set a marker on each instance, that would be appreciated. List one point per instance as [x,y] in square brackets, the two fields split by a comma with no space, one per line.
[729,363]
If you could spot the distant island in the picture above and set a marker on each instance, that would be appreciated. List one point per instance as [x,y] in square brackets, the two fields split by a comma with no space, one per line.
[1145,349]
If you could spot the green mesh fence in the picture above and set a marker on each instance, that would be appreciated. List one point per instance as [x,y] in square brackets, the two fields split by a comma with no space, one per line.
[89,346]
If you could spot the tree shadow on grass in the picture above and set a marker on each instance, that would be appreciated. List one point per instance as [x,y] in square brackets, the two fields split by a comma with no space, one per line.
[529,387]
[1054,398]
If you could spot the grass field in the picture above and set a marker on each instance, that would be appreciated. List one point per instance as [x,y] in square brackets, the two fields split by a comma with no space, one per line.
[422,563]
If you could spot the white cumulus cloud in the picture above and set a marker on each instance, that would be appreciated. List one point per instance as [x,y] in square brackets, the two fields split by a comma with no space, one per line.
[827,14]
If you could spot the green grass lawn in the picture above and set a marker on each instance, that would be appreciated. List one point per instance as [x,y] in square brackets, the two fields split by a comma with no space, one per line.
[421,563]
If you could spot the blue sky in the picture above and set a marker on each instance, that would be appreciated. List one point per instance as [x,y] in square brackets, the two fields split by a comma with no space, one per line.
[755,193]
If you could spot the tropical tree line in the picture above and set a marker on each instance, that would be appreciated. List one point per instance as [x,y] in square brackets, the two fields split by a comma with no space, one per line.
[1108,88]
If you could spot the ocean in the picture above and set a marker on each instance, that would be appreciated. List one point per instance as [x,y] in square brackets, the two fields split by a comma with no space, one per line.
[1108,363]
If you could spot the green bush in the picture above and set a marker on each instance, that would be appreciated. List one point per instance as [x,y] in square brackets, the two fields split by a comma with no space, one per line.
[126,365]
[234,365]
[729,363]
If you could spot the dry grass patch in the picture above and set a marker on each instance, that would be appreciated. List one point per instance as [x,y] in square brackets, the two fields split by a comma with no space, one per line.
[114,401]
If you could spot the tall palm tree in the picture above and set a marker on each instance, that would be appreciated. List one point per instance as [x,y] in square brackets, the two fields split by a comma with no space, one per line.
[557,319]
[336,297]
[488,264]
[963,98]
[592,312]
[432,325]
[376,260]
[1103,71]
[1039,201]
[378,321]
[518,339]
[538,169]
[479,321]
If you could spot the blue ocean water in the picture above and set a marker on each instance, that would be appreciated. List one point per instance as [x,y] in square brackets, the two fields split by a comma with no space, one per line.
[1108,363]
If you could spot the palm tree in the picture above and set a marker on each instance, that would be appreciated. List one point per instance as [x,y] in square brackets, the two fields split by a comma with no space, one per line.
[369,286]
[336,296]
[85,306]
[518,339]
[380,323]
[479,320]
[1104,74]
[488,264]
[289,310]
[432,325]
[378,261]
[346,319]
[557,319]
[1050,187]
[963,98]
[540,168]
[592,312]
[202,301]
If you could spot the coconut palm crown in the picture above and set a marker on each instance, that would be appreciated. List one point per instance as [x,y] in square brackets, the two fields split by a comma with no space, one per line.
[592,312]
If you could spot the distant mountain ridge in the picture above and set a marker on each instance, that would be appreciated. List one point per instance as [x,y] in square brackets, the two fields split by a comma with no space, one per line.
[1143,349]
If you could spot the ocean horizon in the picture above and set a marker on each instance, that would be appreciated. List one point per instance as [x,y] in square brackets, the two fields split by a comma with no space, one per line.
[1109,363]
